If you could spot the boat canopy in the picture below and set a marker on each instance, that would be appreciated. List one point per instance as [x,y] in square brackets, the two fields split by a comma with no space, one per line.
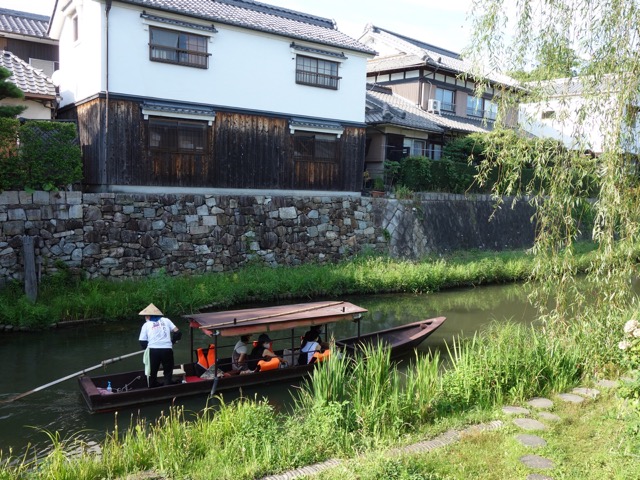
[270,319]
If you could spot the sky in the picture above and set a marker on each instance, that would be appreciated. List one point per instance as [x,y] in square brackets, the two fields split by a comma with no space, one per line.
[443,23]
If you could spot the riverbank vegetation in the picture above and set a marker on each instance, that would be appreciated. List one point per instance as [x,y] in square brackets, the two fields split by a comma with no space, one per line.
[64,297]
[359,408]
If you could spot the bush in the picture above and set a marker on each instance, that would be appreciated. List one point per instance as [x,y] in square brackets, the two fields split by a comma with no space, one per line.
[48,156]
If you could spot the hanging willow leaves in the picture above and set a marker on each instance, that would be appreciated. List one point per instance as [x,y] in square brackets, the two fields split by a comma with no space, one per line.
[590,188]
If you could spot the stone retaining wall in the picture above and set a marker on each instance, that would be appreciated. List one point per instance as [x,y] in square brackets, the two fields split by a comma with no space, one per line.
[132,235]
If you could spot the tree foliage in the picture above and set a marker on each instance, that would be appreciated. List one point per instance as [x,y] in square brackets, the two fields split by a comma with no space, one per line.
[9,90]
[606,34]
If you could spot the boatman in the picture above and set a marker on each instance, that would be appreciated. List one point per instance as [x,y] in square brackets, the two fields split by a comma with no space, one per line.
[158,335]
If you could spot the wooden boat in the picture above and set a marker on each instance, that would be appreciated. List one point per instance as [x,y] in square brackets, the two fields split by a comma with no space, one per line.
[130,388]
[399,340]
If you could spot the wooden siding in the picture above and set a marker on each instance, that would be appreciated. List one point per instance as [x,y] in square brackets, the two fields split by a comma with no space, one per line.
[244,151]
[25,49]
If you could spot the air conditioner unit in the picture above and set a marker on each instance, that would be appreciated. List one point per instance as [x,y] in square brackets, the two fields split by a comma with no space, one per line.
[433,106]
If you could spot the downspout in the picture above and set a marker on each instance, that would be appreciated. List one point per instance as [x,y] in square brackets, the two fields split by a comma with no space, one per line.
[107,9]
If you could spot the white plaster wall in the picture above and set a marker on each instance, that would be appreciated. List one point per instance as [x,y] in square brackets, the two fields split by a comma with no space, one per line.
[34,111]
[247,70]
[81,65]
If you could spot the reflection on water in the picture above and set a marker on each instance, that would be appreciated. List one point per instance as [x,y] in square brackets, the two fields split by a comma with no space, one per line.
[34,359]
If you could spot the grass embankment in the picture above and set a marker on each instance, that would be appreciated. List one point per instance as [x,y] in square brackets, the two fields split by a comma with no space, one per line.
[361,409]
[63,297]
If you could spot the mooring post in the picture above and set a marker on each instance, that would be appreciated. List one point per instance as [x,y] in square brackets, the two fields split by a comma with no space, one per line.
[30,279]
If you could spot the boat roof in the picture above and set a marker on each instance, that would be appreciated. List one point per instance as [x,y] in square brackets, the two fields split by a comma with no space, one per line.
[270,319]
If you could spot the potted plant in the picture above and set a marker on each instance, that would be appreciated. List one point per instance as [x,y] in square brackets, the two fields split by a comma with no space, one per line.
[378,187]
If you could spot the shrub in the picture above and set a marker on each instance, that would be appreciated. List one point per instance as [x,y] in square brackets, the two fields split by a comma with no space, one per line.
[48,156]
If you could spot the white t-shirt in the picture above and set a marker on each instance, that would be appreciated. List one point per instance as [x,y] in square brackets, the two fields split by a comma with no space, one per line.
[158,333]
[310,349]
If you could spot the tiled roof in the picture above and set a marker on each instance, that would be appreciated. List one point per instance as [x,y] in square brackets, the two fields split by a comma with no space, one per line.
[261,17]
[383,106]
[28,79]
[23,23]
[421,53]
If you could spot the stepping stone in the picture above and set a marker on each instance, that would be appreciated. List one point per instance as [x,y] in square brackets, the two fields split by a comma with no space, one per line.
[515,410]
[607,383]
[537,476]
[531,440]
[586,392]
[549,416]
[571,398]
[540,402]
[529,424]
[536,461]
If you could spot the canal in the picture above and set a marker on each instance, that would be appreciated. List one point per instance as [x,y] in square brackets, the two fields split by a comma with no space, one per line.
[32,359]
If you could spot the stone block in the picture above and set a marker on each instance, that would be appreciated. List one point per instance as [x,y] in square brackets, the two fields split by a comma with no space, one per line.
[16,214]
[210,220]
[75,211]
[9,198]
[41,198]
[202,210]
[74,198]
[198,230]
[25,198]
[11,228]
[288,213]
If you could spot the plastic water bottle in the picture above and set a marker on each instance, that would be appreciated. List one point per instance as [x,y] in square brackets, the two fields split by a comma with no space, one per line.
[109,387]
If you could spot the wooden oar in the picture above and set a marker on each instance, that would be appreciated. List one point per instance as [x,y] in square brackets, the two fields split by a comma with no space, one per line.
[101,364]
[281,314]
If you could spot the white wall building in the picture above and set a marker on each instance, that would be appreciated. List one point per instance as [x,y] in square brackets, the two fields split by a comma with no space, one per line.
[133,64]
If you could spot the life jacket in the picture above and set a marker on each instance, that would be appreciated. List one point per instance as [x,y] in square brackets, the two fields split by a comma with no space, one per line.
[321,357]
[208,359]
[269,365]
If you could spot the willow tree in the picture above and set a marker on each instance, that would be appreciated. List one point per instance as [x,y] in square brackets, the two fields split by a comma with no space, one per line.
[509,36]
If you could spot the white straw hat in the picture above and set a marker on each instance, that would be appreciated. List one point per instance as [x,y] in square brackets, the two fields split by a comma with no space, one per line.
[151,310]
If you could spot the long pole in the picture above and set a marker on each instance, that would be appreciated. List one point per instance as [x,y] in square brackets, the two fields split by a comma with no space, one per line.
[101,364]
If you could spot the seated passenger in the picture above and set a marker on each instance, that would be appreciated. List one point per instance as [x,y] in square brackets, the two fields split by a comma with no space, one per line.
[310,345]
[263,352]
[240,355]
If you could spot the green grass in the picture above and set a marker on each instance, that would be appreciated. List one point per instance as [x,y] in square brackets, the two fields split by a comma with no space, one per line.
[65,297]
[593,441]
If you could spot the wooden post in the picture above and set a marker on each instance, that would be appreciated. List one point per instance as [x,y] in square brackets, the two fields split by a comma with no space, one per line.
[30,279]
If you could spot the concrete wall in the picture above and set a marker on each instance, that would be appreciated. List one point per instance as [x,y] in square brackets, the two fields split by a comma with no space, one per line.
[118,235]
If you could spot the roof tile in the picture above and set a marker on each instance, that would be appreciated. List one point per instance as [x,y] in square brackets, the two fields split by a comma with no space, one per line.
[23,23]
[261,17]
[28,79]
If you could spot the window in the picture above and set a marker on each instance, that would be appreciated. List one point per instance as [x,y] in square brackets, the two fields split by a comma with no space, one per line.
[170,46]
[434,151]
[314,147]
[475,106]
[447,99]
[316,72]
[548,115]
[417,148]
[177,136]
[481,107]
[490,109]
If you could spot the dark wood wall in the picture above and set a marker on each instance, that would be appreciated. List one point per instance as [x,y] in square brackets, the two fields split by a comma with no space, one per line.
[26,50]
[245,151]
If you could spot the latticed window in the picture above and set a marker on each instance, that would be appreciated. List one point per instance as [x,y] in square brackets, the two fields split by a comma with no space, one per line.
[314,147]
[316,72]
[181,48]
[177,136]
